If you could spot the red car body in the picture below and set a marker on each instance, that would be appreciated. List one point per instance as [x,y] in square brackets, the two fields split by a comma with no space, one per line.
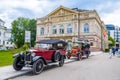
[47,54]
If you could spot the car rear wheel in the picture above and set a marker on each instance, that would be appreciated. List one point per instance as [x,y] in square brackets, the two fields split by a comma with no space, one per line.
[38,66]
[79,56]
[17,64]
[87,54]
[61,62]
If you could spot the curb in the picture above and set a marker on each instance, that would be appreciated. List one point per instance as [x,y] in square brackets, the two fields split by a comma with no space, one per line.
[17,75]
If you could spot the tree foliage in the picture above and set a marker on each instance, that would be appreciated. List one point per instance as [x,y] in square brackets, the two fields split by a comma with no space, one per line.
[112,41]
[19,26]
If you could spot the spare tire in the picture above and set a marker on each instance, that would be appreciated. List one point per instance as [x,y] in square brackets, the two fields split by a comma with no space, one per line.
[56,56]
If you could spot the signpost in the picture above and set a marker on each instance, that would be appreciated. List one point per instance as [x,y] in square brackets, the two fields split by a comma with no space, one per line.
[27,36]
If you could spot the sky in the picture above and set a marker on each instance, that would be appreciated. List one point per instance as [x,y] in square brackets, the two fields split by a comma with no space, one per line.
[108,10]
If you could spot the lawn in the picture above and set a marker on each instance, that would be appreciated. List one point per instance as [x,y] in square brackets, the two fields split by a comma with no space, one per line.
[6,57]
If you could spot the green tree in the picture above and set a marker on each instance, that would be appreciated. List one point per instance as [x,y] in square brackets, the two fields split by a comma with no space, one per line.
[19,26]
[112,41]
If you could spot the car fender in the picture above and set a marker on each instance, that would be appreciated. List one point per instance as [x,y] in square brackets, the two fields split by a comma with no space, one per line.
[39,57]
[21,54]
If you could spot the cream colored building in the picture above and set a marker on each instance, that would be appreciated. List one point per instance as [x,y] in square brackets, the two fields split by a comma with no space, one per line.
[71,25]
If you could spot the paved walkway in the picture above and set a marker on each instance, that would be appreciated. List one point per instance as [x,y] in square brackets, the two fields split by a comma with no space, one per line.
[8,71]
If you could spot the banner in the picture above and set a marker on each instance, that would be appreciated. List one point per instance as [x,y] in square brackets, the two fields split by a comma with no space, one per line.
[27,36]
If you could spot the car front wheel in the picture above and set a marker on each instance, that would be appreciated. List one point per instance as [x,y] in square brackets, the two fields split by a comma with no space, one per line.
[38,66]
[17,64]
[61,62]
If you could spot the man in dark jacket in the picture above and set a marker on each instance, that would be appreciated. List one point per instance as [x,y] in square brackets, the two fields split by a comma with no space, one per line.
[113,51]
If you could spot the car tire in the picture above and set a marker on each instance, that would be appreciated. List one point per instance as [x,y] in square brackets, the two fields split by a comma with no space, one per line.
[61,62]
[38,66]
[68,57]
[56,56]
[16,64]
[79,56]
[87,54]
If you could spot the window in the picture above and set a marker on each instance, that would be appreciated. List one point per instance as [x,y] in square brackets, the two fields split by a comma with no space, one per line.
[69,28]
[86,28]
[61,28]
[54,30]
[42,31]
[7,42]
[91,44]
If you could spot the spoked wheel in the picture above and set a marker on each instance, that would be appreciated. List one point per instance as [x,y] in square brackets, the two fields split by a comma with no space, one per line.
[56,57]
[38,66]
[87,55]
[68,56]
[17,64]
[79,56]
[61,62]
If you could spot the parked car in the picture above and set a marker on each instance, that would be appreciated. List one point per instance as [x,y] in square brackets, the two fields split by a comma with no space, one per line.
[79,49]
[49,51]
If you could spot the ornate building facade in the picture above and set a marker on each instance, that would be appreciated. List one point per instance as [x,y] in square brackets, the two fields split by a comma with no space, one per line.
[71,25]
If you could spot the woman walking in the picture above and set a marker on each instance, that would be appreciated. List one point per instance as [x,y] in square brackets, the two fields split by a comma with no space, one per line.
[111,53]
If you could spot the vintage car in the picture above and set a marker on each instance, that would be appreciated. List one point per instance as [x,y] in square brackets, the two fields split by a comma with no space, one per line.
[49,51]
[77,50]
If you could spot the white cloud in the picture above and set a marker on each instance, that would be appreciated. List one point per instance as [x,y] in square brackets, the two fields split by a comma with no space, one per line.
[113,15]
[9,8]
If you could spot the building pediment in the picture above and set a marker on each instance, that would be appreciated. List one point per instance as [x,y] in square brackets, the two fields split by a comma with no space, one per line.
[61,11]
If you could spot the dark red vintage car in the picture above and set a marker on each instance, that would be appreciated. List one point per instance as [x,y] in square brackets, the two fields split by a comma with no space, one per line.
[49,51]
[78,49]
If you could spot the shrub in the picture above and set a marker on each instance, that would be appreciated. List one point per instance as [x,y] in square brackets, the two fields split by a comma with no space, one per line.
[25,47]
[107,50]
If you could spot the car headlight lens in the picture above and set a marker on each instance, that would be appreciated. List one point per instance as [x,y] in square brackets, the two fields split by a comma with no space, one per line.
[33,54]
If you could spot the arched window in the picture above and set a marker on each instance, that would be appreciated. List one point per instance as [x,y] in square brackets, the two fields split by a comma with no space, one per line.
[54,30]
[86,28]
[69,28]
[61,29]
[42,31]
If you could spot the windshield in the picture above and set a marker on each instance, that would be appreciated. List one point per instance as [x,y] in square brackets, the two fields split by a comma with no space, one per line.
[45,46]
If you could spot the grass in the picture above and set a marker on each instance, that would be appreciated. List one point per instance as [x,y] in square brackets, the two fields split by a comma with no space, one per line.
[6,57]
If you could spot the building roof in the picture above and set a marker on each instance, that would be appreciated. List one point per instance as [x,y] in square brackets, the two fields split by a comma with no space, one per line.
[80,10]
[74,10]
[2,20]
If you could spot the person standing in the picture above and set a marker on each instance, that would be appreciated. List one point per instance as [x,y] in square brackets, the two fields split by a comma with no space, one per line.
[111,53]
[116,50]
[113,50]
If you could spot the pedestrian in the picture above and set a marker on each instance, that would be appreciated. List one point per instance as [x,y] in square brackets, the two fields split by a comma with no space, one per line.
[116,50]
[110,53]
[119,52]
[113,50]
